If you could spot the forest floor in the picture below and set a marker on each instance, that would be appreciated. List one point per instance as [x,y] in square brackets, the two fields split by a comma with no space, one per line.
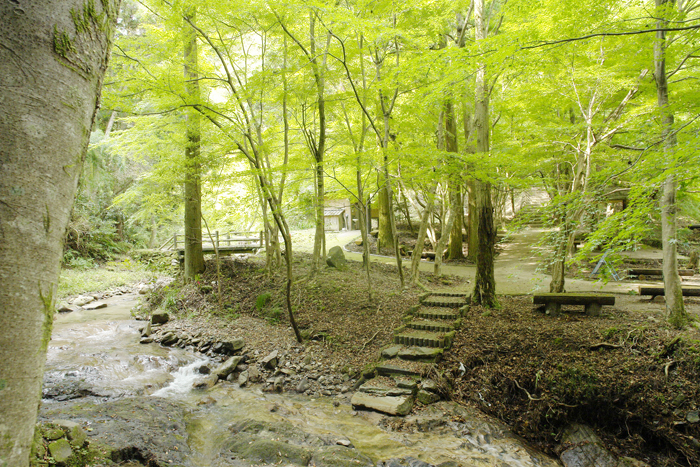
[626,373]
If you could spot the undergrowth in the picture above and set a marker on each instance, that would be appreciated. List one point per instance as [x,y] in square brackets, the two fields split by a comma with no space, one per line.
[98,279]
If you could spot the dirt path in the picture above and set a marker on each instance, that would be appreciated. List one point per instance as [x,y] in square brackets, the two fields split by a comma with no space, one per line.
[516,267]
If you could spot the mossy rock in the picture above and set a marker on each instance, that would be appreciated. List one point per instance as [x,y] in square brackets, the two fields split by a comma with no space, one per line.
[340,456]
[61,451]
[268,451]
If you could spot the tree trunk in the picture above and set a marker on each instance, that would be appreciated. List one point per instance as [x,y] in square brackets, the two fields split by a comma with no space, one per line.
[675,309]
[422,234]
[472,222]
[385,239]
[50,80]
[485,281]
[445,234]
[455,250]
[154,233]
[194,258]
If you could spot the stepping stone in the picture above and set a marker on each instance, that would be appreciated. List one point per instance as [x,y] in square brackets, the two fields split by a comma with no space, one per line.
[403,367]
[384,386]
[423,354]
[398,405]
[431,325]
[436,313]
[420,338]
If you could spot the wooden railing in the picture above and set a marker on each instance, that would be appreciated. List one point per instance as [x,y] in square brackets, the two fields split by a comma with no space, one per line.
[224,241]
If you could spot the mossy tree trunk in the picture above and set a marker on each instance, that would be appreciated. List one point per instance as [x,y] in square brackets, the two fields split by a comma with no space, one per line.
[485,282]
[194,258]
[675,308]
[49,105]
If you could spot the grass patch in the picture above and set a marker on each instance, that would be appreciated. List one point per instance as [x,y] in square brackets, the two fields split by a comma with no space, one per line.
[113,274]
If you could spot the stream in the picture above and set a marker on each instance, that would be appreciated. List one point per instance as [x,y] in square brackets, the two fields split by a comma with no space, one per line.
[139,397]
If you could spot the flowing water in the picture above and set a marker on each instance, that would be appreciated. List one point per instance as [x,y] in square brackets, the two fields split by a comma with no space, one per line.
[97,354]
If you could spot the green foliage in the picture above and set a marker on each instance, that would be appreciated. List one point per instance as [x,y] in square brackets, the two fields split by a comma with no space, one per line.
[273,315]
[77,281]
[262,300]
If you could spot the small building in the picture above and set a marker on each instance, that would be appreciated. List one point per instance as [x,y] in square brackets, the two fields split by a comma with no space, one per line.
[337,214]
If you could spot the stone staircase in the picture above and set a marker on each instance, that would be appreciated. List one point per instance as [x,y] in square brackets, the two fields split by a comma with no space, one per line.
[399,380]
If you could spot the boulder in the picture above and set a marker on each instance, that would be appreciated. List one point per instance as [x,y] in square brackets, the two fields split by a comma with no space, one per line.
[228,367]
[243,378]
[336,258]
[270,361]
[146,330]
[205,382]
[339,456]
[160,317]
[268,451]
[95,305]
[60,451]
[253,374]
[229,347]
[303,385]
[581,448]
[169,338]
[64,307]
[426,398]
[83,300]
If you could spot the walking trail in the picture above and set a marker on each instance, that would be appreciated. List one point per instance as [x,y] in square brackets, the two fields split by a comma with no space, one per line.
[516,267]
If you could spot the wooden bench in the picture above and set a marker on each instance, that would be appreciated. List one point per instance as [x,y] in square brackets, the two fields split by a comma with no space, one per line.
[592,302]
[659,291]
[642,273]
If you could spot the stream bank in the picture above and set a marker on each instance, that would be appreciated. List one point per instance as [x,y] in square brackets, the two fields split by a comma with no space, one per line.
[135,401]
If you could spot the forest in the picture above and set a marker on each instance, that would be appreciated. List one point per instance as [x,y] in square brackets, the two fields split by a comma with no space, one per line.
[440,129]
[255,117]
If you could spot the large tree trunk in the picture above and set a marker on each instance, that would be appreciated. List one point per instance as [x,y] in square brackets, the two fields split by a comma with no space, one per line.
[675,309]
[194,258]
[50,80]
[485,281]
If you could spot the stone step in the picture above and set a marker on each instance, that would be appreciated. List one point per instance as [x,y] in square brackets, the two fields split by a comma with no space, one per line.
[421,354]
[397,367]
[447,294]
[436,313]
[420,338]
[385,386]
[392,405]
[431,325]
[444,301]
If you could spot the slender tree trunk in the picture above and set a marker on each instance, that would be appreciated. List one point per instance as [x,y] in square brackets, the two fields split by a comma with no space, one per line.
[194,258]
[154,233]
[675,309]
[472,222]
[385,238]
[422,233]
[484,282]
[451,145]
[49,106]
[445,234]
